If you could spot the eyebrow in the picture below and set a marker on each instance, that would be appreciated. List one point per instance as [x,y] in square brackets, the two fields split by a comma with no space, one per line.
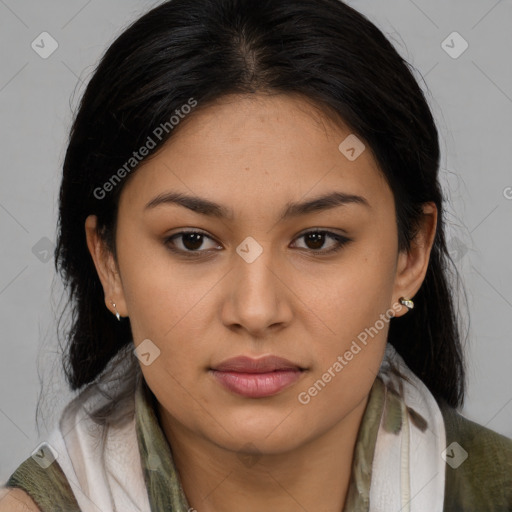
[206,207]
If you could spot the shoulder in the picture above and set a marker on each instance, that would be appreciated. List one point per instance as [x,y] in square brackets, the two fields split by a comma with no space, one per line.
[478,466]
[16,500]
[88,435]
[44,489]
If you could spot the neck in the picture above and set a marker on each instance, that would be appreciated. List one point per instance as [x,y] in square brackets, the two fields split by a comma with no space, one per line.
[314,476]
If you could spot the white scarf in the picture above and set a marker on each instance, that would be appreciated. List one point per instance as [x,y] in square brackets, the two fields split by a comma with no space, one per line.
[408,472]
[103,464]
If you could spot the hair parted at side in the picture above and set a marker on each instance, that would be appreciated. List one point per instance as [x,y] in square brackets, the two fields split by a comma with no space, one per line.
[322,50]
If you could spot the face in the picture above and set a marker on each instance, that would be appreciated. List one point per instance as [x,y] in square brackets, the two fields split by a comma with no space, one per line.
[268,278]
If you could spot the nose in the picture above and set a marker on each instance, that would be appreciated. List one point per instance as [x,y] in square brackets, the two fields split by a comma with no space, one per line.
[259,294]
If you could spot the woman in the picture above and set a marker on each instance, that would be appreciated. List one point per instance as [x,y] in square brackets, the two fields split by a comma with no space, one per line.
[251,230]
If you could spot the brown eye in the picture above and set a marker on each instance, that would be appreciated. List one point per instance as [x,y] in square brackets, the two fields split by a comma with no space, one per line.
[315,240]
[191,242]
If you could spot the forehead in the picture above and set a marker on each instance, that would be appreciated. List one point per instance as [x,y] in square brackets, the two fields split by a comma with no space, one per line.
[259,148]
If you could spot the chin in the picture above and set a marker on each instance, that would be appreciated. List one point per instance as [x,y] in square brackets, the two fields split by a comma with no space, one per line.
[259,437]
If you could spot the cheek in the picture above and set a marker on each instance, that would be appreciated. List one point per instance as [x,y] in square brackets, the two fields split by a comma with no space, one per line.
[346,364]
[170,308]
[332,394]
[355,305]
[159,294]
[356,293]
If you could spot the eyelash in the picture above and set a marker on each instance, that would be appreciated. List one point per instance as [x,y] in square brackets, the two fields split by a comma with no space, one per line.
[340,240]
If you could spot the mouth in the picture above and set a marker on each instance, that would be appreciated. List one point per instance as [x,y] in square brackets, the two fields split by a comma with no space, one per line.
[257,378]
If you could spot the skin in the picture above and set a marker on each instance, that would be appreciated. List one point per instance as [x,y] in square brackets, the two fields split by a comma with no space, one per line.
[16,500]
[254,154]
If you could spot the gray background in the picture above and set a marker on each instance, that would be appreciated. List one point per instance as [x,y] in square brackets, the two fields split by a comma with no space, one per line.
[471,97]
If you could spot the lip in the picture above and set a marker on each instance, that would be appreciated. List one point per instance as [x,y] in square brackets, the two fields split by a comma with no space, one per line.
[244,364]
[257,378]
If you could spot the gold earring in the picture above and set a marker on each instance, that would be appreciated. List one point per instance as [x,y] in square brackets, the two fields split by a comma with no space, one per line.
[408,303]
[118,316]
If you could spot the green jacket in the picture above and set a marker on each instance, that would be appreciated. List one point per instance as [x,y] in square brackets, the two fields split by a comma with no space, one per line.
[482,483]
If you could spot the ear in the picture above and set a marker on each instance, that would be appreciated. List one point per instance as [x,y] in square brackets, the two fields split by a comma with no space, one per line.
[106,268]
[412,265]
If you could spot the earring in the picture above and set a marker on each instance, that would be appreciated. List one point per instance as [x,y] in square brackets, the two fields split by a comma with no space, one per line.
[407,302]
[118,316]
